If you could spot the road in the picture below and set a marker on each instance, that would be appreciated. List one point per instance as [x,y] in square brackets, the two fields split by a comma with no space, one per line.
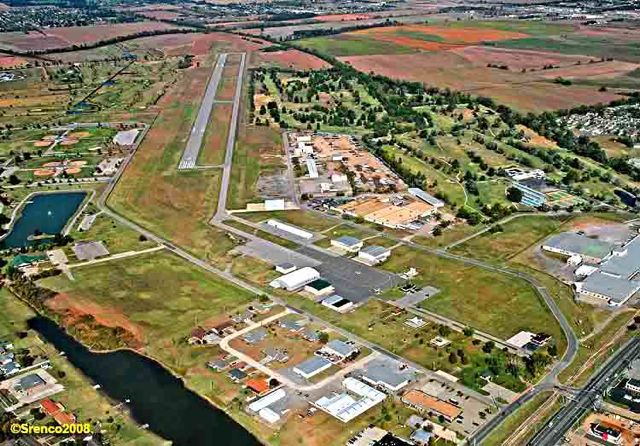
[192,149]
[554,431]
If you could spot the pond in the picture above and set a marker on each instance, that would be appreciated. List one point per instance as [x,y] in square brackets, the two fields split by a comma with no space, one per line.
[158,398]
[45,214]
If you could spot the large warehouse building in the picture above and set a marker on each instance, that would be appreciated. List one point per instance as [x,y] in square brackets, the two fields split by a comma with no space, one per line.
[295,280]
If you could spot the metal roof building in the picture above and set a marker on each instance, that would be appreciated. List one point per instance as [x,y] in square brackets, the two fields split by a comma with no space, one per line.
[571,243]
[312,367]
[346,407]
[296,279]
[615,290]
[427,198]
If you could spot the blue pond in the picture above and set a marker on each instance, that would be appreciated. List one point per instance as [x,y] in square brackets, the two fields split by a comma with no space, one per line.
[44,213]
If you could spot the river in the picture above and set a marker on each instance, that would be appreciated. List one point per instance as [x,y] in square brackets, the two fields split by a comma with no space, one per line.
[158,398]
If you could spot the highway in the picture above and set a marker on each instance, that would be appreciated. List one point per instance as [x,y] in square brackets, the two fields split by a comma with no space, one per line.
[192,149]
[554,431]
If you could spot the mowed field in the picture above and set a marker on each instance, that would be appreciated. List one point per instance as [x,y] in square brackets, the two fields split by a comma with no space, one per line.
[75,35]
[510,62]
[292,59]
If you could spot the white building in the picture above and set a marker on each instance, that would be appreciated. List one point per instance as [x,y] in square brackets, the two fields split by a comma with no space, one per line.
[374,255]
[267,400]
[337,303]
[312,168]
[293,230]
[356,400]
[295,280]
[347,243]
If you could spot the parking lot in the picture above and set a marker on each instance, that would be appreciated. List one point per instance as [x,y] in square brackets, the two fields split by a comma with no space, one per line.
[470,419]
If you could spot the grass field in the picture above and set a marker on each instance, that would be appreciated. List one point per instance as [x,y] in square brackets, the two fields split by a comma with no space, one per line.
[349,45]
[509,304]
[304,219]
[79,396]
[516,235]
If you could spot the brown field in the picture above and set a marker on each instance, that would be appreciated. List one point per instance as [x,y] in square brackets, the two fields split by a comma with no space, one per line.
[212,152]
[531,91]
[161,15]
[621,34]
[446,36]
[74,35]
[342,17]
[197,44]
[516,59]
[294,59]
[11,61]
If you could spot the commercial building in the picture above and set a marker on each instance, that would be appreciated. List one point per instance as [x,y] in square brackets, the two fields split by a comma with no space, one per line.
[319,287]
[285,268]
[347,243]
[296,280]
[293,230]
[356,400]
[427,198]
[338,350]
[337,303]
[396,211]
[312,168]
[374,255]
[427,404]
[571,244]
[530,196]
[386,374]
[312,366]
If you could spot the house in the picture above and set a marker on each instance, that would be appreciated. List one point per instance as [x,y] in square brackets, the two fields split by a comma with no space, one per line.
[439,342]
[311,367]
[211,338]
[415,322]
[347,243]
[197,336]
[319,287]
[285,268]
[414,421]
[237,375]
[338,350]
[255,336]
[57,412]
[259,386]
[374,255]
[6,358]
[310,335]
[246,317]
[276,354]
[291,325]
[218,365]
[223,328]
[427,404]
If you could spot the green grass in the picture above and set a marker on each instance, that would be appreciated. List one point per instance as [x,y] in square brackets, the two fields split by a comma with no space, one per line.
[516,236]
[523,26]
[352,45]
[310,221]
[486,300]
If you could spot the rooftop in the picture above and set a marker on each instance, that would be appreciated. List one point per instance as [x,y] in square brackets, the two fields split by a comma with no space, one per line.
[348,240]
[627,263]
[617,289]
[580,244]
[312,364]
[319,284]
[255,336]
[375,250]
[421,399]
[341,347]
[386,373]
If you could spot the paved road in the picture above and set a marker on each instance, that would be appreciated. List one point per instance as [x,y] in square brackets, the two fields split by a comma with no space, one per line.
[190,154]
[231,141]
[556,428]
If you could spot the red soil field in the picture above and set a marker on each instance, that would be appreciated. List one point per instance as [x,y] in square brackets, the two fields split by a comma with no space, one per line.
[161,15]
[448,35]
[198,44]
[599,70]
[63,37]
[295,59]
[517,59]
[446,69]
[342,17]
[11,61]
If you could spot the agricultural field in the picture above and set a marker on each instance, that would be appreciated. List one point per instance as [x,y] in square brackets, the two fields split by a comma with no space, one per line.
[288,58]
[489,58]
[55,38]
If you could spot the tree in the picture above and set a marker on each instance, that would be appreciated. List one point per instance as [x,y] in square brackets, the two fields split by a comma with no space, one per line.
[467,331]
[514,194]
[453,358]
[488,346]
[323,337]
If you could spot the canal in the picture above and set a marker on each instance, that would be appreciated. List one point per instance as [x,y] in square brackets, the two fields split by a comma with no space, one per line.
[45,213]
[158,398]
